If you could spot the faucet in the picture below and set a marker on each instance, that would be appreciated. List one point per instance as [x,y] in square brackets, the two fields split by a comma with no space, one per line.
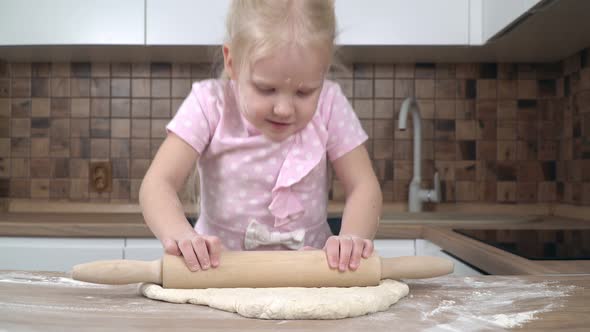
[417,195]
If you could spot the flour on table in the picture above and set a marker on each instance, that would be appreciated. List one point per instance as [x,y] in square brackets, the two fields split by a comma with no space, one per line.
[469,304]
[288,302]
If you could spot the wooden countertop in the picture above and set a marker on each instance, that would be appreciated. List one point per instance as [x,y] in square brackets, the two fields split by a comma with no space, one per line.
[73,224]
[51,301]
[435,227]
[488,258]
[42,218]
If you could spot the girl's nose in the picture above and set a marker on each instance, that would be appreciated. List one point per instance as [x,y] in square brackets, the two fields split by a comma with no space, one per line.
[283,107]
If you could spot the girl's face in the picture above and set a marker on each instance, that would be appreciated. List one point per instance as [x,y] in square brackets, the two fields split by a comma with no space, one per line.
[280,92]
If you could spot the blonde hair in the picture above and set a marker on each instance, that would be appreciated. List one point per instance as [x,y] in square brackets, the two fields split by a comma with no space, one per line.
[255,28]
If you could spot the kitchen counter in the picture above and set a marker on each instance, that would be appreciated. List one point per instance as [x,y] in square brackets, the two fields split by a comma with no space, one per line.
[47,301]
[486,257]
[54,219]
[125,221]
[132,224]
[434,227]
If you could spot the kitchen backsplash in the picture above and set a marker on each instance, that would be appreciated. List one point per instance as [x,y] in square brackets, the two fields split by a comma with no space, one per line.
[497,133]
[573,123]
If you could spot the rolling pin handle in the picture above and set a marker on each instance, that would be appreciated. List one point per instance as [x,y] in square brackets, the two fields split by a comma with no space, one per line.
[119,272]
[415,267]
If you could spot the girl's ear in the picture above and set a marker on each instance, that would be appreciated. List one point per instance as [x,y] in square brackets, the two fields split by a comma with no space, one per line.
[228,62]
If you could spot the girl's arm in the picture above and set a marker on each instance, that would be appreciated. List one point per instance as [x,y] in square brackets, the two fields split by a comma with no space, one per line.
[362,210]
[162,210]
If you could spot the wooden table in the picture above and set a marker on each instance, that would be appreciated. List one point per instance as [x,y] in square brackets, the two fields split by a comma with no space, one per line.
[46,301]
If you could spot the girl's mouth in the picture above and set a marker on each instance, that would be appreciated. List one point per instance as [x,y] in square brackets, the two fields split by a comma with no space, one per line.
[278,125]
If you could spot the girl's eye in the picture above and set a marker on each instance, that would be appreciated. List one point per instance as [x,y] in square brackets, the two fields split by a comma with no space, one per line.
[265,91]
[304,93]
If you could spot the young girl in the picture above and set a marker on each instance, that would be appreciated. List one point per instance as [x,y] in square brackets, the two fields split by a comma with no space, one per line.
[261,137]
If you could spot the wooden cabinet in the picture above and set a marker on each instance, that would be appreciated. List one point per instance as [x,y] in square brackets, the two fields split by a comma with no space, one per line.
[71,22]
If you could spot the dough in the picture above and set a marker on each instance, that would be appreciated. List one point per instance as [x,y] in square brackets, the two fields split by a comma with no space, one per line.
[288,302]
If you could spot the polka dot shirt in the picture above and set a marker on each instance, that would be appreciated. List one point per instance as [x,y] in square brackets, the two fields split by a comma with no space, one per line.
[244,175]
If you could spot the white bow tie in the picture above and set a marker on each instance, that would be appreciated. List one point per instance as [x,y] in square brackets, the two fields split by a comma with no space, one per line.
[259,235]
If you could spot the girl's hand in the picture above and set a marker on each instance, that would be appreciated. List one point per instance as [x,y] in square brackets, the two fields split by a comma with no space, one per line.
[345,251]
[199,251]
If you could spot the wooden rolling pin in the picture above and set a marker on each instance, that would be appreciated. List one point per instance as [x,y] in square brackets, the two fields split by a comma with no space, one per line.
[258,269]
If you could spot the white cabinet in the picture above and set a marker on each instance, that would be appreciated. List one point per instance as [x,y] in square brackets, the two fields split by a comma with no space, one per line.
[427,248]
[150,249]
[143,249]
[499,14]
[369,22]
[61,254]
[185,22]
[55,254]
[420,247]
[72,22]
[202,22]
[394,248]
[403,22]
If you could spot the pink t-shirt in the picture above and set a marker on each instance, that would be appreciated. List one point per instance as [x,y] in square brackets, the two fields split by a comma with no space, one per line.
[245,176]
